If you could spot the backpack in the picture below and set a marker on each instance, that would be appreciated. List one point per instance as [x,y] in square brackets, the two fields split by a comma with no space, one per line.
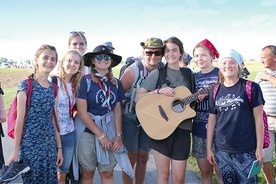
[129,61]
[12,112]
[129,103]
[248,89]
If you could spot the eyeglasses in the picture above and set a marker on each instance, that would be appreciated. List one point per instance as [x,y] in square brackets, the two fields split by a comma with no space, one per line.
[156,53]
[77,32]
[105,57]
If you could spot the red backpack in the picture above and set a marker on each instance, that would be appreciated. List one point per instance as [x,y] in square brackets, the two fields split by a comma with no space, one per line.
[12,112]
[248,89]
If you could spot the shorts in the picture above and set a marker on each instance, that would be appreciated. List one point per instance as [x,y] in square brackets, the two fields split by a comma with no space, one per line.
[268,152]
[87,155]
[234,167]
[135,138]
[68,146]
[199,147]
[176,146]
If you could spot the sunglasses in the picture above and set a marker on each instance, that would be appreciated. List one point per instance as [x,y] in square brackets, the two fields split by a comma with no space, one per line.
[77,32]
[156,53]
[105,57]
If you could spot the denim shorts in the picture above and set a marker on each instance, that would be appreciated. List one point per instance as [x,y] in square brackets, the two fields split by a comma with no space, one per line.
[87,155]
[135,138]
[68,146]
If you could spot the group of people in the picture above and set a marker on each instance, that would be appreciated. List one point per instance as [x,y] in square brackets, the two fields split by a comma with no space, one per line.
[98,127]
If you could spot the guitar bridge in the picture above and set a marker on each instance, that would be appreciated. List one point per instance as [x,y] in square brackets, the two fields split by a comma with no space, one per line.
[162,112]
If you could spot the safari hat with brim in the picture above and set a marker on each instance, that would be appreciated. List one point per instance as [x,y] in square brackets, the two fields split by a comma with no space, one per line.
[152,43]
[101,49]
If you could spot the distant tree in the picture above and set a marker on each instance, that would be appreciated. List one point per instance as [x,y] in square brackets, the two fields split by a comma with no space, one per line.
[3,60]
[28,62]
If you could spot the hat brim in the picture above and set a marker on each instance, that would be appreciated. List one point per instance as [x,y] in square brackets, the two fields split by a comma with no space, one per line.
[150,47]
[116,59]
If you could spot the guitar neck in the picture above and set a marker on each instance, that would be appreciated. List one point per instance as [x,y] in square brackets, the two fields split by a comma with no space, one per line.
[194,96]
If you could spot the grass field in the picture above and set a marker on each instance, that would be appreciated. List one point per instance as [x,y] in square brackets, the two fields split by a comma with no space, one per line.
[11,78]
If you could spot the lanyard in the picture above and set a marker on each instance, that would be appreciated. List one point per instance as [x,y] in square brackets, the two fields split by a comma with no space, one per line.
[69,100]
[105,95]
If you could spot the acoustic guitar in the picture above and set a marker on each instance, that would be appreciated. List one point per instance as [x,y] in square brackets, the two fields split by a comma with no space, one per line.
[160,115]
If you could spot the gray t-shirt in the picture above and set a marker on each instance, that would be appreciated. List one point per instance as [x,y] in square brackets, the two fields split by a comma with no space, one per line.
[173,79]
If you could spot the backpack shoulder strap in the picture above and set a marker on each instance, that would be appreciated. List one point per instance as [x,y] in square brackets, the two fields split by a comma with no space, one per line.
[55,83]
[54,79]
[29,90]
[161,76]
[215,91]
[55,90]
[248,89]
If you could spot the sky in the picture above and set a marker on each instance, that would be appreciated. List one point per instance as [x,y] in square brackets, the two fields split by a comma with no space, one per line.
[244,25]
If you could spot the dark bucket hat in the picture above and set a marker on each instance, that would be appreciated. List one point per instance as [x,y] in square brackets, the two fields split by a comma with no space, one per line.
[101,49]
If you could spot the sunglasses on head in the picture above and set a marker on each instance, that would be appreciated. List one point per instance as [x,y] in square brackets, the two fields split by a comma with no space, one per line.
[105,57]
[156,53]
[77,32]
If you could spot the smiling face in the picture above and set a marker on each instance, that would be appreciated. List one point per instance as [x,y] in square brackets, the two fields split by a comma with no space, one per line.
[152,56]
[202,57]
[229,68]
[102,62]
[172,53]
[46,61]
[71,64]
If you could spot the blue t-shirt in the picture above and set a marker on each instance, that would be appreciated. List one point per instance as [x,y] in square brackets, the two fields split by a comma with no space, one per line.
[235,127]
[203,80]
[95,96]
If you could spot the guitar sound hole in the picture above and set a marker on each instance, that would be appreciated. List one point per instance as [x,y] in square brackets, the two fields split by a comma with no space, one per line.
[178,105]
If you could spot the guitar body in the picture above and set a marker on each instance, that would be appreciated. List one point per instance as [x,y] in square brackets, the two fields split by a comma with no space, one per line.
[156,125]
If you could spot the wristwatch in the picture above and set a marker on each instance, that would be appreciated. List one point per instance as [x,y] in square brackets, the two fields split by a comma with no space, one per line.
[120,135]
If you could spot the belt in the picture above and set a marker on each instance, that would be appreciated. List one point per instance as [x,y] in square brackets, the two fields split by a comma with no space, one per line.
[272,116]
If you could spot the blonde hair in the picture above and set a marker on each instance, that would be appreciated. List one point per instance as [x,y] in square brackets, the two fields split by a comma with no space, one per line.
[76,34]
[76,78]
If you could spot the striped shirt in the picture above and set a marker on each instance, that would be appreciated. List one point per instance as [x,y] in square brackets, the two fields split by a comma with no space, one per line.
[269,92]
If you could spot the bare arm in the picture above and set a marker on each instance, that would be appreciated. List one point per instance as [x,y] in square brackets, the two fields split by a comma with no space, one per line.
[268,77]
[58,140]
[19,124]
[210,138]
[259,126]
[2,110]
[127,79]
[117,141]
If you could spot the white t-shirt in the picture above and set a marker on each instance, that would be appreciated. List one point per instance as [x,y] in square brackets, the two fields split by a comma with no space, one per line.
[65,120]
